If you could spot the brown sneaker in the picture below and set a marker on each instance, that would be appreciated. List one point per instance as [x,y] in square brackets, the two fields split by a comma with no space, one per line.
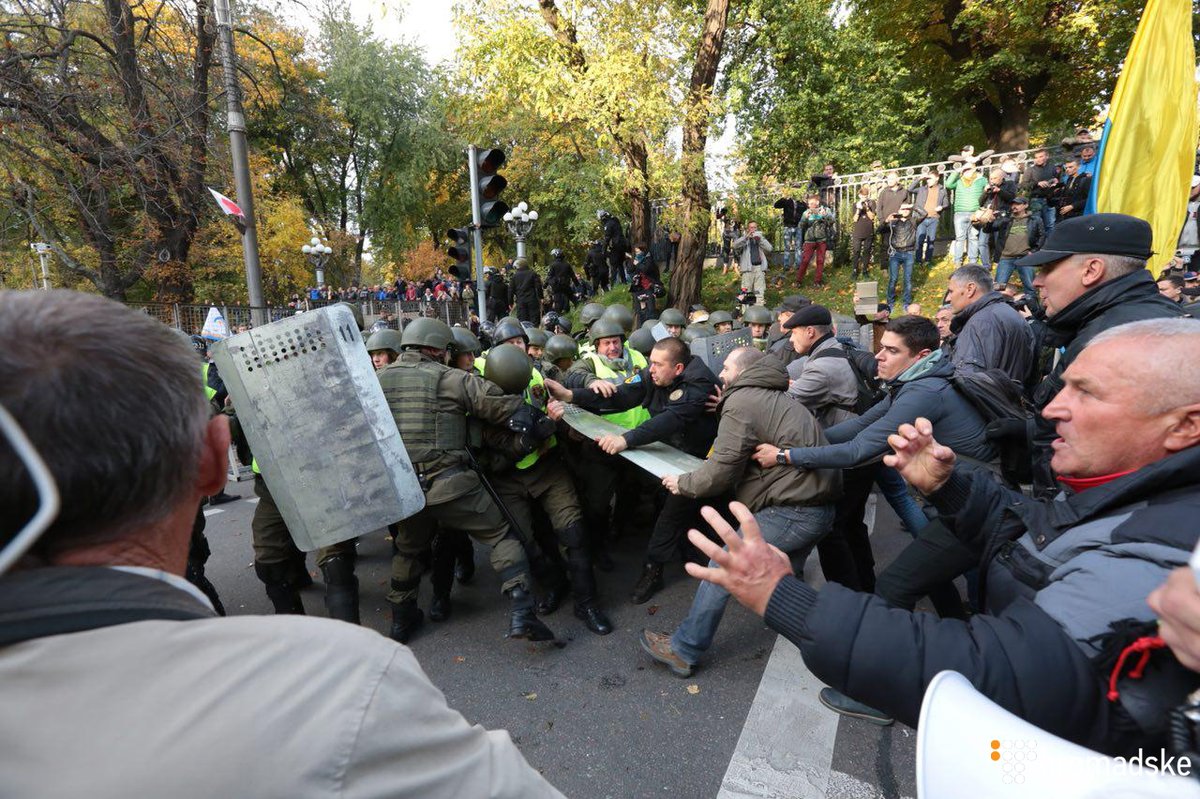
[658,646]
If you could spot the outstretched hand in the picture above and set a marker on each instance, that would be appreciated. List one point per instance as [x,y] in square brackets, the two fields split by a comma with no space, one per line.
[921,460]
[602,387]
[558,390]
[748,568]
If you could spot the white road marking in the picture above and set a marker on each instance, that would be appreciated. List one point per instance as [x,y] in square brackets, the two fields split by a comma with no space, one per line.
[213,512]
[252,500]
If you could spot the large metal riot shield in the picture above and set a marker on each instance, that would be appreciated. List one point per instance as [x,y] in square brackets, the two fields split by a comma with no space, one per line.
[713,350]
[658,459]
[324,439]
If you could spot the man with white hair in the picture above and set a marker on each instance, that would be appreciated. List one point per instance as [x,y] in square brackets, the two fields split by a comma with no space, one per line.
[1064,582]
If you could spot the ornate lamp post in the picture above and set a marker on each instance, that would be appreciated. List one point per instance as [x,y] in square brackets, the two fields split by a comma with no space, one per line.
[318,254]
[519,222]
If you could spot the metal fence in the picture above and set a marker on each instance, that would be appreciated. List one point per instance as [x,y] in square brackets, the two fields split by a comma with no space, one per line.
[191,318]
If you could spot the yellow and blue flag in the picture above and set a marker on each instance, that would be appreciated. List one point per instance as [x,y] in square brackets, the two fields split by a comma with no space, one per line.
[1147,153]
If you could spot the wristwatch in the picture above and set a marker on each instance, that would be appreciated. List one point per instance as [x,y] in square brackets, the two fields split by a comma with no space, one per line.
[781,457]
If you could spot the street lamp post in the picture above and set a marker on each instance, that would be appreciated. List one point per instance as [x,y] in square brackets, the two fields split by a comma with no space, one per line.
[519,222]
[318,255]
[43,251]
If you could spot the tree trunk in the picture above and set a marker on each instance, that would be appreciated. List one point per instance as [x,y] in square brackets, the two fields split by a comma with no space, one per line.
[685,282]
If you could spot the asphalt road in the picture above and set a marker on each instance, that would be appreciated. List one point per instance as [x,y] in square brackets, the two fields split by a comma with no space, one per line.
[596,716]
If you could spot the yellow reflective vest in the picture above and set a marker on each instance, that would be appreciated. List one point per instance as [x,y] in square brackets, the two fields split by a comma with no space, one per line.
[634,416]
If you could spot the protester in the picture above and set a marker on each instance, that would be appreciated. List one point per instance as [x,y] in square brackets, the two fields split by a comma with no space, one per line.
[988,331]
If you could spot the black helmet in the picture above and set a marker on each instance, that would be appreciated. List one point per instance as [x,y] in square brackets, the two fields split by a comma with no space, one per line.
[696,330]
[506,330]
[605,328]
[486,331]
[465,341]
[200,345]
[508,367]
[556,253]
[549,320]
[621,314]
[560,347]
[758,315]
[590,313]
[380,325]
[673,316]
[642,340]
[538,337]
[385,339]
[426,332]
[354,309]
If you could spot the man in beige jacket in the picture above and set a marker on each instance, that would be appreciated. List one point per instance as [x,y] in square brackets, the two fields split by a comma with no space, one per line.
[116,677]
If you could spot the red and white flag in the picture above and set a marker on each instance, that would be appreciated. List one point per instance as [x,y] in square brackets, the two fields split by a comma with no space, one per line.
[232,209]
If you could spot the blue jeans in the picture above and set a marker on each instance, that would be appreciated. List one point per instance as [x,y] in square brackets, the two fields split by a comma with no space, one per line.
[965,236]
[985,253]
[794,529]
[895,491]
[789,247]
[895,261]
[1005,269]
[1048,217]
[926,236]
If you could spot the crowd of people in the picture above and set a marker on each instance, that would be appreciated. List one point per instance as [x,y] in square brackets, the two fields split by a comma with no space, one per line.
[1044,446]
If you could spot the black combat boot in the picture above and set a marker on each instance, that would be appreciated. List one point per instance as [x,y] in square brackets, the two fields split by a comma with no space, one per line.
[649,584]
[195,576]
[523,622]
[464,568]
[280,590]
[298,575]
[407,618]
[550,578]
[583,581]
[440,607]
[341,588]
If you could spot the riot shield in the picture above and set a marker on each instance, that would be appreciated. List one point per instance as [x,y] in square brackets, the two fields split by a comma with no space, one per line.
[321,431]
[658,459]
[713,350]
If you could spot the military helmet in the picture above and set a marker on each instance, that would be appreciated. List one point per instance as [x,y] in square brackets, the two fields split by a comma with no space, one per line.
[506,330]
[504,319]
[556,253]
[426,332]
[642,340]
[695,331]
[621,314]
[649,324]
[465,341]
[354,309]
[758,315]
[673,316]
[385,339]
[590,313]
[720,318]
[562,325]
[549,320]
[508,367]
[537,337]
[200,345]
[605,328]
[560,347]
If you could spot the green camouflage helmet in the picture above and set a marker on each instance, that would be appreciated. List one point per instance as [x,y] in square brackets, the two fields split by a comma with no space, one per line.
[621,314]
[758,315]
[509,368]
[695,331]
[385,340]
[560,347]
[506,330]
[465,341]
[673,316]
[537,337]
[426,332]
[649,323]
[642,340]
[605,328]
[590,313]
[358,317]
[720,318]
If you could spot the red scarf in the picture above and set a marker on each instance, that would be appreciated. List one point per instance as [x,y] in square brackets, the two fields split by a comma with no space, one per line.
[1079,484]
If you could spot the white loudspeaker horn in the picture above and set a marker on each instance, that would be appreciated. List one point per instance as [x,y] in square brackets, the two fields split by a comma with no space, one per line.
[968,747]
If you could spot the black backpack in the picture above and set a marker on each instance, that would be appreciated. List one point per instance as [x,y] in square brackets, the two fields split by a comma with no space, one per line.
[864,366]
[999,400]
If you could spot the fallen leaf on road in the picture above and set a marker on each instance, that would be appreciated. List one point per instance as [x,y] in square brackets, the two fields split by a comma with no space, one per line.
[652,610]
[693,689]
[530,697]
[460,659]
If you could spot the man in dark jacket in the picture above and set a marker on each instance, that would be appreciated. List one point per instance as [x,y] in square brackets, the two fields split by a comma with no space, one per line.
[527,293]
[791,220]
[1039,183]
[560,279]
[794,509]
[499,300]
[674,389]
[1015,237]
[595,267]
[1073,192]
[930,196]
[988,332]
[901,239]
[1091,276]
[1065,582]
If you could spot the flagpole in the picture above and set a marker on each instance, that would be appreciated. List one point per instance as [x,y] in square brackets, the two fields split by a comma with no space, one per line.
[241,161]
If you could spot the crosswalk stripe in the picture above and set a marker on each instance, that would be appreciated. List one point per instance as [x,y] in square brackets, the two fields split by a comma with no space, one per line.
[213,512]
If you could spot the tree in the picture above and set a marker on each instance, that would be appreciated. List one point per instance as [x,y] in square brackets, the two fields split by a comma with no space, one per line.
[698,115]
[105,119]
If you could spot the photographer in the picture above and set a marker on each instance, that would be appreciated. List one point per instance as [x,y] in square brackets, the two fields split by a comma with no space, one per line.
[752,251]
[900,228]
[862,234]
[1016,236]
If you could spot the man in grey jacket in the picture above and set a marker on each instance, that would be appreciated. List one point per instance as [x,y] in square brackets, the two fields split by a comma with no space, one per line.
[116,677]
[988,332]
[753,251]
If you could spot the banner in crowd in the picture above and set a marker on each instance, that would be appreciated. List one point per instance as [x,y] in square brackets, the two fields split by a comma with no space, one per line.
[215,327]
[1148,150]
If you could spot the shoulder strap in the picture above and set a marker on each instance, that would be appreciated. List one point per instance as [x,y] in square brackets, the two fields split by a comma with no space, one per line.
[60,600]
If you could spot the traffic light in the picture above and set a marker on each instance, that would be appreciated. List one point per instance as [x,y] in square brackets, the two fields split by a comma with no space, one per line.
[489,185]
[460,251]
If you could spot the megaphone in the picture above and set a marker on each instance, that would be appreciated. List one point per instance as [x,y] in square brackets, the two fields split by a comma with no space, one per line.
[968,746]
